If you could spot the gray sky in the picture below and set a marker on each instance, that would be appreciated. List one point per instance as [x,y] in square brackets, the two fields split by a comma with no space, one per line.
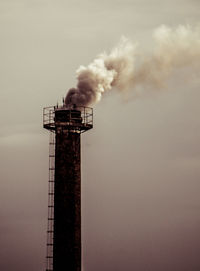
[140,163]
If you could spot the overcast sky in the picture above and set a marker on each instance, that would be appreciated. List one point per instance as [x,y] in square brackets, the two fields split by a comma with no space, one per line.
[141,161]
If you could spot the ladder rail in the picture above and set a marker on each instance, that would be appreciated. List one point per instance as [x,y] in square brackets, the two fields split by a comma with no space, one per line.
[50,222]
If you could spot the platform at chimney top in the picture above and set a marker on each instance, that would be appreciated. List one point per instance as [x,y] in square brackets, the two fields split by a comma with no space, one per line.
[73,118]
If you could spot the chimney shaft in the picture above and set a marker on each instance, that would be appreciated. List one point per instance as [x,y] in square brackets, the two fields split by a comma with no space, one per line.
[68,124]
[67,202]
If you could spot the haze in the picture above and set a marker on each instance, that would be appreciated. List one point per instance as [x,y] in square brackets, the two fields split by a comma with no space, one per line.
[141,161]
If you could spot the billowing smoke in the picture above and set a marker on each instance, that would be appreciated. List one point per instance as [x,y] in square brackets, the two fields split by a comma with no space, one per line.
[126,67]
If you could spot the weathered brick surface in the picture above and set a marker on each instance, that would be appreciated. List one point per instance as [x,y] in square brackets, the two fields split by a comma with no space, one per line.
[67,202]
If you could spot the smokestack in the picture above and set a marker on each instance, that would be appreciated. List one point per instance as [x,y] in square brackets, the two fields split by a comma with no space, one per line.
[66,123]
[124,69]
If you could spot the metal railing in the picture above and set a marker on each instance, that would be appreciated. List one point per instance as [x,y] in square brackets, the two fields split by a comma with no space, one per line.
[80,123]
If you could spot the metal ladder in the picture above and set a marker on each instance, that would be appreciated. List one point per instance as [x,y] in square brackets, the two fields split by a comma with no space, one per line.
[50,224]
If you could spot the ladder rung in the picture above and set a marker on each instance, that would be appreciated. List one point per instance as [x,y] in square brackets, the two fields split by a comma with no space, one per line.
[51,193]
[50,218]
[51,168]
[49,256]
[50,206]
[49,231]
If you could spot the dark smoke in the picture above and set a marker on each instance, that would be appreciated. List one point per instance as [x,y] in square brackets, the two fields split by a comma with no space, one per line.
[174,49]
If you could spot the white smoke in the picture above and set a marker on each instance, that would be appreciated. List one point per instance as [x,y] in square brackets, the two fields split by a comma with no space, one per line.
[125,69]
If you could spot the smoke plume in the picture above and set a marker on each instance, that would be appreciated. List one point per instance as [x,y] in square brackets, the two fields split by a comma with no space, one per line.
[126,67]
